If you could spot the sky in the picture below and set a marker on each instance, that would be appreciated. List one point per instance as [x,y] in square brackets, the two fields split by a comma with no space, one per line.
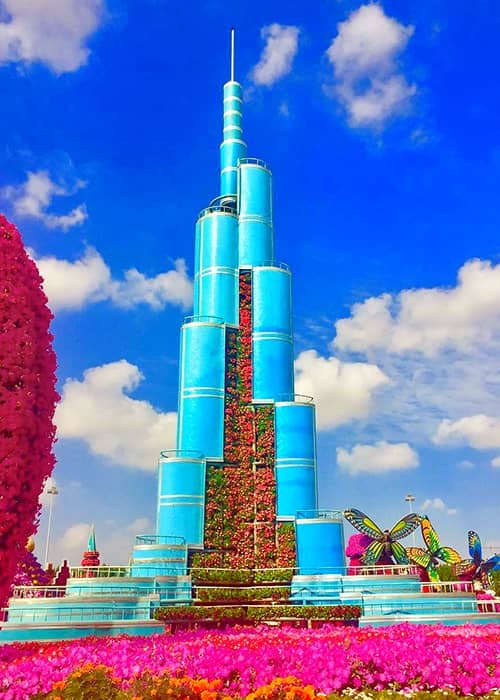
[380,123]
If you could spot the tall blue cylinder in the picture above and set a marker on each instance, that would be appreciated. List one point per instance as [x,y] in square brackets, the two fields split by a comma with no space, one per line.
[232,147]
[295,458]
[200,423]
[272,333]
[181,497]
[320,542]
[216,279]
[255,213]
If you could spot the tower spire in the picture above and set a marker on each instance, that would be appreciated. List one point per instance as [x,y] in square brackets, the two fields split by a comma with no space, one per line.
[232,54]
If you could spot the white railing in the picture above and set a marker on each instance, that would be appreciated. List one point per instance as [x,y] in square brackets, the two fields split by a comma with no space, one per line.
[384,570]
[419,607]
[99,571]
[80,613]
[447,587]
[38,592]
[489,606]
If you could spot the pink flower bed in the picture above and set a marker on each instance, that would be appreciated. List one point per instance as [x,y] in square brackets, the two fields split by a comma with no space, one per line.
[465,659]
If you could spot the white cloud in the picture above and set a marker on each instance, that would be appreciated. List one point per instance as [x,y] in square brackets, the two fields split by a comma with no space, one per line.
[72,285]
[32,199]
[466,464]
[480,431]
[53,32]
[364,57]
[380,458]
[495,462]
[437,504]
[342,391]
[98,411]
[277,56]
[427,320]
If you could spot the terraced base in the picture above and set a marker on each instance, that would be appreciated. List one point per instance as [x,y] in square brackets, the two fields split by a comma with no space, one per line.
[55,631]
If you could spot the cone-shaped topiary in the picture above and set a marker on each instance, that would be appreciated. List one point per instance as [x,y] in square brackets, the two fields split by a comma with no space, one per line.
[27,400]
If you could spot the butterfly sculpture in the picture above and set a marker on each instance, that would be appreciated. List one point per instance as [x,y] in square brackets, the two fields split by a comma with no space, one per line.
[430,558]
[478,568]
[384,541]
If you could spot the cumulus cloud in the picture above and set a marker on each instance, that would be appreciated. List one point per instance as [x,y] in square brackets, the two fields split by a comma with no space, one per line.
[98,411]
[52,33]
[437,504]
[495,462]
[380,458]
[277,56]
[33,198]
[427,320]
[364,57]
[73,285]
[480,431]
[342,391]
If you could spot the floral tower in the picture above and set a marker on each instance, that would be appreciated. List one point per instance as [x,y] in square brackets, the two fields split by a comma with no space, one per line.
[91,556]
[245,462]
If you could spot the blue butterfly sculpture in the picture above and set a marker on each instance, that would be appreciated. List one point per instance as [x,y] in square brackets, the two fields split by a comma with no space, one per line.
[477,568]
[384,541]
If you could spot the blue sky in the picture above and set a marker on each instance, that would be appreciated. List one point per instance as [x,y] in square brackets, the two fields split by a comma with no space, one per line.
[380,123]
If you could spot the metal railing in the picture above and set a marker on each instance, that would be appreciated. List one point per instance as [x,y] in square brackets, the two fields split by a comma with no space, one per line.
[171,454]
[489,606]
[320,514]
[80,613]
[20,592]
[299,398]
[159,539]
[253,161]
[419,607]
[216,208]
[203,319]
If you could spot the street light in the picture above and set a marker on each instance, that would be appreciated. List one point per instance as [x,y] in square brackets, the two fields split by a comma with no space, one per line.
[51,492]
[410,500]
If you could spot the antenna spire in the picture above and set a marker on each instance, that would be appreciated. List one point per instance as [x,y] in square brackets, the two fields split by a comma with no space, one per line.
[232,54]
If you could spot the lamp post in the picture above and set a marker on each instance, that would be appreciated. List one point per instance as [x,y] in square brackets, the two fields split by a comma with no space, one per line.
[410,500]
[51,492]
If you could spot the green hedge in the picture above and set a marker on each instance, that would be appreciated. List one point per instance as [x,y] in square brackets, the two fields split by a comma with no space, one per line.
[258,613]
[242,595]
[240,576]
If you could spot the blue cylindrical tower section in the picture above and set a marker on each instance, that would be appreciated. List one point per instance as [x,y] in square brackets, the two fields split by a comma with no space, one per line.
[216,278]
[272,333]
[181,496]
[295,458]
[320,542]
[232,147]
[200,424]
[255,213]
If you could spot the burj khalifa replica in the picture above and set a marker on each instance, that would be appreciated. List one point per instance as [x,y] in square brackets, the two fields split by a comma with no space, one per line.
[241,487]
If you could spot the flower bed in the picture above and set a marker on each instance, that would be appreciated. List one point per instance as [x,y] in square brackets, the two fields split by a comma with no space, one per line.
[257,613]
[416,659]
[242,595]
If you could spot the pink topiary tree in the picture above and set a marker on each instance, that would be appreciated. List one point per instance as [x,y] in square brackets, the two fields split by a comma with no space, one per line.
[27,400]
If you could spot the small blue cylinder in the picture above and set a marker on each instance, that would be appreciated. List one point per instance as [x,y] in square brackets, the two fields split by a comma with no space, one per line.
[295,458]
[216,279]
[200,423]
[272,333]
[181,498]
[256,241]
[320,542]
[232,147]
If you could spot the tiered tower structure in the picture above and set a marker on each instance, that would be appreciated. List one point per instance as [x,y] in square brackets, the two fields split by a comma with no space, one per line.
[244,468]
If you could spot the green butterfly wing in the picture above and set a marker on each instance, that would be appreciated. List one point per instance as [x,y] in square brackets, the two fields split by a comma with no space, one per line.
[399,553]
[430,536]
[373,552]
[419,556]
[448,555]
[363,523]
[432,573]
[405,526]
